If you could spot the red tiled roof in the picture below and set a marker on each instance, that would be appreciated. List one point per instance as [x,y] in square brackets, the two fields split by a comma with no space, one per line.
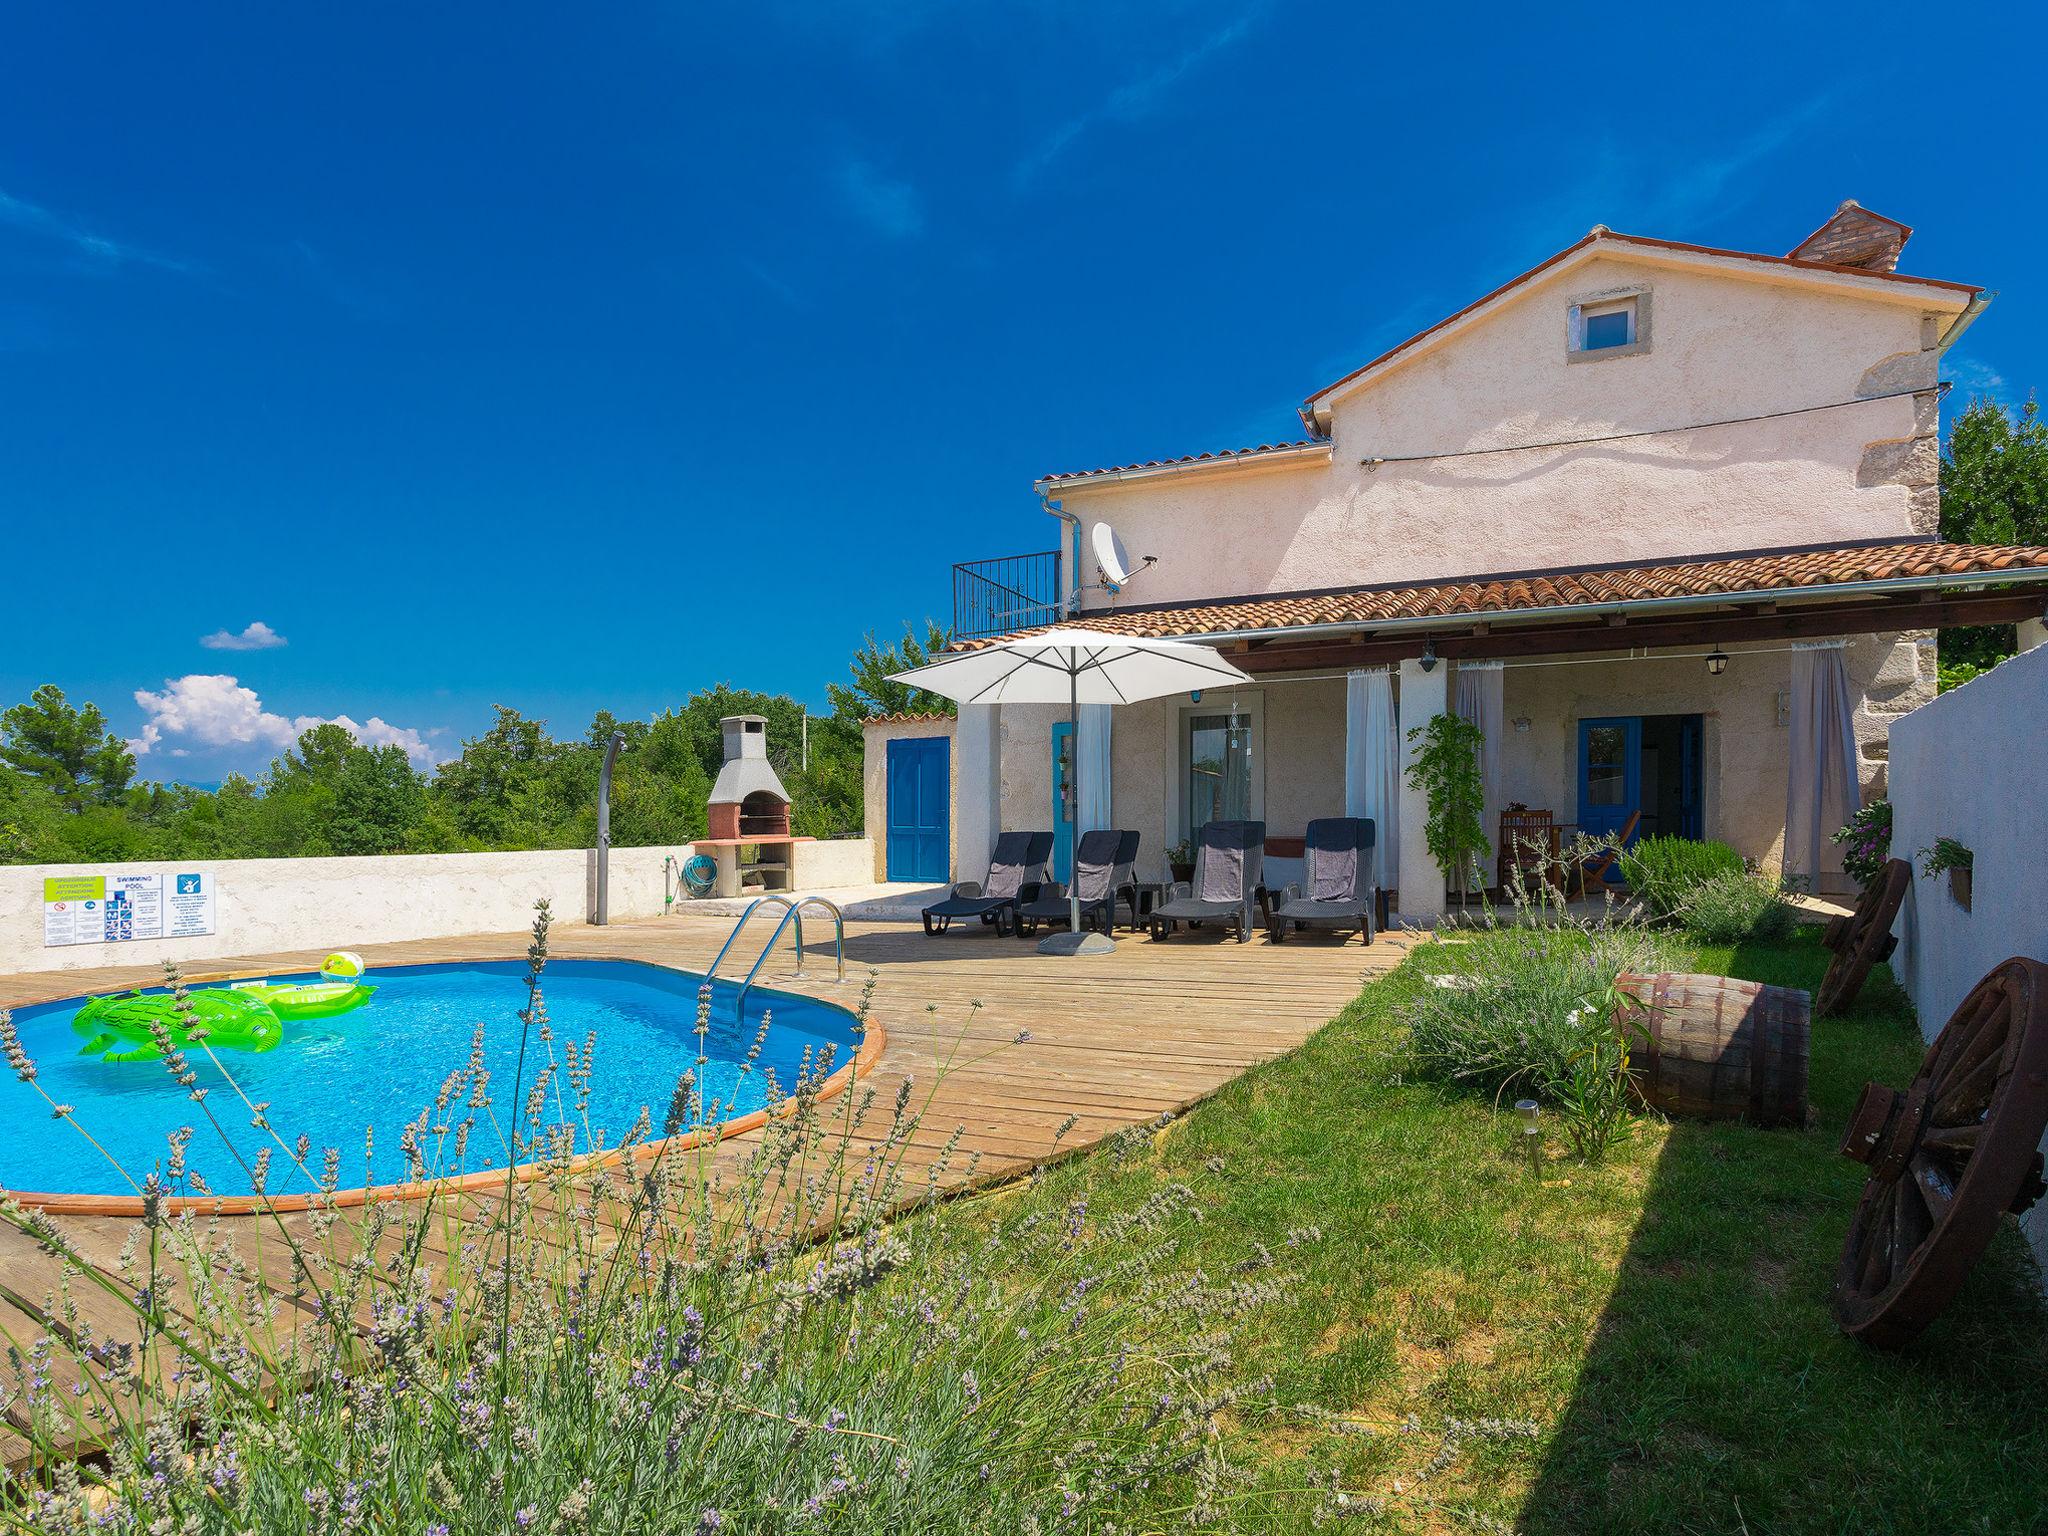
[910,717]
[1220,456]
[1779,571]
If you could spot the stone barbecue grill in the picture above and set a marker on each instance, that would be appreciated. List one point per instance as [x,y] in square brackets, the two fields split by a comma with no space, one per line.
[749,809]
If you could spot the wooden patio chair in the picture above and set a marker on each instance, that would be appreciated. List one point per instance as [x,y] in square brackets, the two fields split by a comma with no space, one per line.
[1528,844]
[1596,867]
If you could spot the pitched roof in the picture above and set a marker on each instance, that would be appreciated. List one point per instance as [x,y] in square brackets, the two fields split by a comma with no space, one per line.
[1776,572]
[1600,235]
[1218,458]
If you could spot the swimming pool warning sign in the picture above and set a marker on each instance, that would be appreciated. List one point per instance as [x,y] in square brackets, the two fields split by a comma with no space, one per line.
[108,909]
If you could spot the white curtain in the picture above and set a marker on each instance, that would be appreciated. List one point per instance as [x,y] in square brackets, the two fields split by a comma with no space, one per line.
[1822,792]
[1480,690]
[1372,766]
[1091,764]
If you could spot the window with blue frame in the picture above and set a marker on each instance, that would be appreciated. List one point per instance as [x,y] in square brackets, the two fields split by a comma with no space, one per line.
[1605,325]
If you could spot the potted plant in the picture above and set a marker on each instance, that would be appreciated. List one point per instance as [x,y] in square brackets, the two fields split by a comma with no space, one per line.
[1446,769]
[1867,843]
[1950,855]
[1180,860]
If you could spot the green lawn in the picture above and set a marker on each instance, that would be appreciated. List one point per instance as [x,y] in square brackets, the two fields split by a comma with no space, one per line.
[1640,1346]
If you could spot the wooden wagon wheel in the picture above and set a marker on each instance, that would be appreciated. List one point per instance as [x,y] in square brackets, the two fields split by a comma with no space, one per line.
[1947,1157]
[1861,940]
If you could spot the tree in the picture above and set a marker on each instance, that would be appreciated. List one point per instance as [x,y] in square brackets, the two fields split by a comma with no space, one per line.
[500,780]
[873,694]
[1994,490]
[379,802]
[69,751]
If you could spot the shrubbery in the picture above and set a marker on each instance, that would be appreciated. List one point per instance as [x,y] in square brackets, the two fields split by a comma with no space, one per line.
[1737,906]
[1530,1009]
[1663,872]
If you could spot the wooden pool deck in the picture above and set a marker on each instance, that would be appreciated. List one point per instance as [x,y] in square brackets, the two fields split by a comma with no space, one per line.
[1113,1041]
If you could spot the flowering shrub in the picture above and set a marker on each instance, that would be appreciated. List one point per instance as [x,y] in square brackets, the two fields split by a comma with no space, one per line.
[1866,842]
[772,1336]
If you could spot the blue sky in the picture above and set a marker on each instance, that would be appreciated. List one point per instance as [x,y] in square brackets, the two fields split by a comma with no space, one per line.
[579,357]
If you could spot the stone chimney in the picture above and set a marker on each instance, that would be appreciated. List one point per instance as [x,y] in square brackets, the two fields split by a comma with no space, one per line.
[1855,237]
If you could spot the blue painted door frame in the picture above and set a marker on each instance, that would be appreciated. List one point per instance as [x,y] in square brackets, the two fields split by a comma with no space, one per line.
[1062,800]
[1610,775]
[920,811]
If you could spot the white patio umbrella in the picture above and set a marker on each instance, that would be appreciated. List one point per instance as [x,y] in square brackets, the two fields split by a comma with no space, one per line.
[1073,667]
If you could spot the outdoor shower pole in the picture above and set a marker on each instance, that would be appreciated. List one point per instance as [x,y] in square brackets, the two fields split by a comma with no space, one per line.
[604,824]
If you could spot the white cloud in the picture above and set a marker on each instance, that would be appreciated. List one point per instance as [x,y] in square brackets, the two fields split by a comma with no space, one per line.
[1972,378]
[259,636]
[215,710]
[34,219]
[1135,99]
[891,206]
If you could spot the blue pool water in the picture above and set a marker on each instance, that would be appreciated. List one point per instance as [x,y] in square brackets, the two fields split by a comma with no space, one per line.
[377,1067]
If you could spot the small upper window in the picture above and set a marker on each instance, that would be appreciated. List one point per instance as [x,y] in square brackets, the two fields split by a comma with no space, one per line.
[1610,327]
[1607,326]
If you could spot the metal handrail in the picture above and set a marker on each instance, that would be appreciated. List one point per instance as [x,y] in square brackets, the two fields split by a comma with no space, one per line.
[747,916]
[793,912]
[838,925]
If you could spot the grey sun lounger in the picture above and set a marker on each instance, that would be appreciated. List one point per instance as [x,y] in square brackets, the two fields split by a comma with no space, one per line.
[1014,874]
[1230,863]
[1102,871]
[1336,883]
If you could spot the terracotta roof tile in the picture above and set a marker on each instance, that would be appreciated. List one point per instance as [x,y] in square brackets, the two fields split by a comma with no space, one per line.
[1776,571]
[1220,456]
[909,717]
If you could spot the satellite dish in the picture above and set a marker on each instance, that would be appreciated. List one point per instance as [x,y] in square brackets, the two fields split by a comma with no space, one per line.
[1110,558]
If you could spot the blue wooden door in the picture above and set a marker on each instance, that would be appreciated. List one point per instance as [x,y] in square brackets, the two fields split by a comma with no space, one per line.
[920,809]
[1062,799]
[1690,818]
[1610,776]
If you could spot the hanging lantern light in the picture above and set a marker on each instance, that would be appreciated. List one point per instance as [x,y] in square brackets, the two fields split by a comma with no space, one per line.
[1717,661]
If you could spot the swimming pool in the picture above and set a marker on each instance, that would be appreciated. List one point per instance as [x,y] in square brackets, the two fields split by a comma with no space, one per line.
[374,1069]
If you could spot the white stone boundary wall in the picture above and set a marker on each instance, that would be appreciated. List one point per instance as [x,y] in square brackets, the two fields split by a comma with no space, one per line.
[1967,766]
[317,905]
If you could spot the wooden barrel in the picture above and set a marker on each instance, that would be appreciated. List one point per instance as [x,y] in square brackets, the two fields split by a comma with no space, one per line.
[1717,1048]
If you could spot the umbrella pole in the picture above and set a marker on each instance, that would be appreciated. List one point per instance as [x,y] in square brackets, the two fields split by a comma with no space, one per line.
[1074,788]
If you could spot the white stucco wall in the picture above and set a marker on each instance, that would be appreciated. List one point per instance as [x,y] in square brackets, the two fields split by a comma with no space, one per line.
[1967,766]
[832,863]
[316,905]
[1720,348]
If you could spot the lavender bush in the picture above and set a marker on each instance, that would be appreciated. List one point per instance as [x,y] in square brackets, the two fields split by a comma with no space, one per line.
[776,1335]
[1526,1002]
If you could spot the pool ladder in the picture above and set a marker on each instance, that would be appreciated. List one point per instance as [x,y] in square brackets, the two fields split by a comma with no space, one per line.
[792,912]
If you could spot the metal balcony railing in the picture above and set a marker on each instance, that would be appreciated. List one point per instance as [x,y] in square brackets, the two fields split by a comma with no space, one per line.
[994,597]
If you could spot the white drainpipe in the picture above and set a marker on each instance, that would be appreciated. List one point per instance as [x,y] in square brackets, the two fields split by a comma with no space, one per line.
[1070,556]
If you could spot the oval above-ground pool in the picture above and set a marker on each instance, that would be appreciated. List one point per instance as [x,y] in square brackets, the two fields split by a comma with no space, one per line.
[353,1082]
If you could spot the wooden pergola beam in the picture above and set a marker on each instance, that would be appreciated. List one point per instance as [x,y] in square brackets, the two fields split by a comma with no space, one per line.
[1599,632]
